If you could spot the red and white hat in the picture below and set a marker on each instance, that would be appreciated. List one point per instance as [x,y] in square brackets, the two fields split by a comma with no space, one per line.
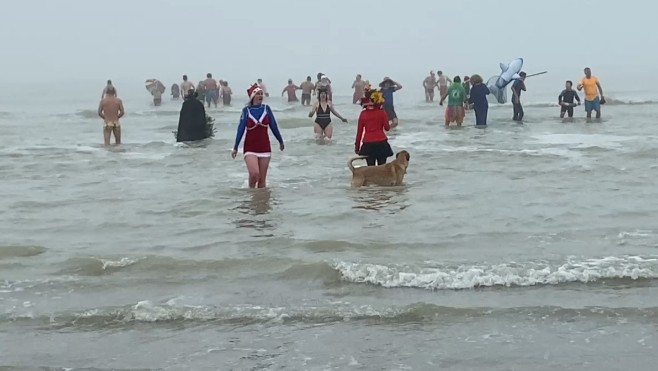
[253,90]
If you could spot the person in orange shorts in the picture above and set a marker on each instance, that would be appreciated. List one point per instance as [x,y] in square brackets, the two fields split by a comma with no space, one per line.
[456,95]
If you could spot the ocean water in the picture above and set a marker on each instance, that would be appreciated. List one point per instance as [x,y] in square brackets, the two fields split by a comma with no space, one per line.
[516,247]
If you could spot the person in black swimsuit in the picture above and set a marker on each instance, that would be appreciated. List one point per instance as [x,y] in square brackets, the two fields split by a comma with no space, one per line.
[565,100]
[322,110]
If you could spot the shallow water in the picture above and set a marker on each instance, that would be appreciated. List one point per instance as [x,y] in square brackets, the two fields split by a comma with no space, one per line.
[522,247]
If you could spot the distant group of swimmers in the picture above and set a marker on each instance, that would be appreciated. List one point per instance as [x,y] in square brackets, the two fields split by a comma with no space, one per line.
[376,118]
[473,93]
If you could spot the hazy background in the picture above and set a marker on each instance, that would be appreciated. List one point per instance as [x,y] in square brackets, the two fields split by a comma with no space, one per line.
[129,41]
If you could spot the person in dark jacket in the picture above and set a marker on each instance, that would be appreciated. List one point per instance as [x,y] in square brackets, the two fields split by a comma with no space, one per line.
[478,98]
[192,123]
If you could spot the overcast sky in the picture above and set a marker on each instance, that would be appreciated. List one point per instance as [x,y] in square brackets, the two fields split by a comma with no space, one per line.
[241,40]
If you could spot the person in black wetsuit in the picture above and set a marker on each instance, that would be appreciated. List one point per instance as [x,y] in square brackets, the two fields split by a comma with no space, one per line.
[323,110]
[565,100]
[192,123]
[517,87]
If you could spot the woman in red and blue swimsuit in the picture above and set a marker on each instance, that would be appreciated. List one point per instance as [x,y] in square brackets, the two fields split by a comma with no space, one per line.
[256,118]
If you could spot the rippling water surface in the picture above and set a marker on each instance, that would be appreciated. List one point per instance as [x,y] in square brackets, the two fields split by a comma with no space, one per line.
[513,247]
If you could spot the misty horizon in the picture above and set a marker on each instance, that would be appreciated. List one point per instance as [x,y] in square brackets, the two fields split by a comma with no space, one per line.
[73,40]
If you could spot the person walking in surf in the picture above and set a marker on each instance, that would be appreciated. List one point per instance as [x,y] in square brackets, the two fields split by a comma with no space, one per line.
[456,95]
[324,84]
[175,91]
[443,81]
[186,86]
[467,88]
[291,89]
[359,86]
[109,85]
[212,90]
[593,90]
[429,84]
[110,109]
[478,98]
[307,88]
[566,100]
[371,140]
[517,87]
[256,119]
[388,87]
[322,110]
[226,93]
[192,121]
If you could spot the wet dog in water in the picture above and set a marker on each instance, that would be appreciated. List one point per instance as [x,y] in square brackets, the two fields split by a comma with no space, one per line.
[390,174]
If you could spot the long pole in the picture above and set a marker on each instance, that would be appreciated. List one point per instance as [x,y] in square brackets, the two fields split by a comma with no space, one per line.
[536,74]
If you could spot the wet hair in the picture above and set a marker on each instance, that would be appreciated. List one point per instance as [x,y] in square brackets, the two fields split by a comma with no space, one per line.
[289,81]
[476,79]
[439,72]
[457,79]
[111,90]
[466,78]
[209,75]
[522,74]
[184,77]
[308,78]
[260,80]
[320,75]
[570,82]
[109,82]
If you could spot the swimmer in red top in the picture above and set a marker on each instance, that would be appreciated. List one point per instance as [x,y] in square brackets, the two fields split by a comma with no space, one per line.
[291,89]
[372,128]
[256,119]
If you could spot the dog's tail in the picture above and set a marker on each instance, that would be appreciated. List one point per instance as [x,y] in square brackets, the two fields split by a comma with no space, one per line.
[349,163]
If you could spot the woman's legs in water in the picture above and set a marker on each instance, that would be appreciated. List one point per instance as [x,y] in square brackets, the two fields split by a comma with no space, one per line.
[328,131]
[372,161]
[253,169]
[257,168]
[319,134]
[263,165]
[481,116]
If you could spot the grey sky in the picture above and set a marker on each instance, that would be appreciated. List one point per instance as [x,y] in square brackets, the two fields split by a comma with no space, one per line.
[241,40]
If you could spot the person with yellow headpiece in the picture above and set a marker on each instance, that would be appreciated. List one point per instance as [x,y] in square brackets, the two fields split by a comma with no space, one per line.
[371,140]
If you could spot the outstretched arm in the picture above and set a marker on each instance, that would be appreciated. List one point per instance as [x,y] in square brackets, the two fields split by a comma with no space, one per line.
[331,108]
[273,125]
[242,126]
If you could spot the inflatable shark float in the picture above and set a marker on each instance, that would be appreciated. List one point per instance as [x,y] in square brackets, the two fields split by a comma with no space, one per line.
[509,72]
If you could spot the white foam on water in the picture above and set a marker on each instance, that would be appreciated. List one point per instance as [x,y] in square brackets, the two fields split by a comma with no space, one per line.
[584,140]
[508,274]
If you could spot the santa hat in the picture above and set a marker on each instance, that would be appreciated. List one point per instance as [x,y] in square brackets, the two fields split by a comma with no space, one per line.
[253,90]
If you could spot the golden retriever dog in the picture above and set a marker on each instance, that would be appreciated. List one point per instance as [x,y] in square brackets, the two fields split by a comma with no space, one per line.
[389,174]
